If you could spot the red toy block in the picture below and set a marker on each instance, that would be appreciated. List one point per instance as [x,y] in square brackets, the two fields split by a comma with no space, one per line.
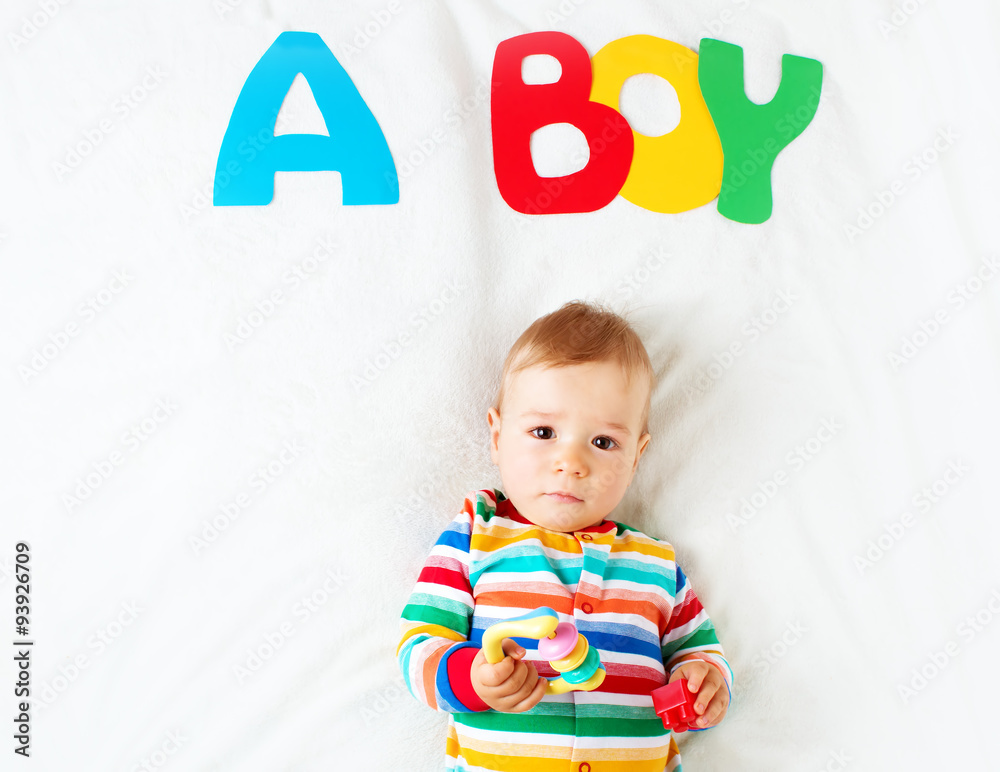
[674,704]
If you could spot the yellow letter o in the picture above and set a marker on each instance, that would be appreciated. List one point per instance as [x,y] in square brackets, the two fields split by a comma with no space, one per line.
[682,169]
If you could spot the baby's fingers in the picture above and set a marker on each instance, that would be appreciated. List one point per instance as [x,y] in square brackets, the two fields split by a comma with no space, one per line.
[494,675]
[705,696]
[697,674]
[534,693]
[716,710]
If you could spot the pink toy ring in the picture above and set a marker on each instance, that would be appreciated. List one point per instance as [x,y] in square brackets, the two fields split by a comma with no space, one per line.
[560,644]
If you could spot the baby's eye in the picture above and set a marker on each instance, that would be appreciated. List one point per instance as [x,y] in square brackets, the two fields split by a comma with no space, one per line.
[541,429]
[611,443]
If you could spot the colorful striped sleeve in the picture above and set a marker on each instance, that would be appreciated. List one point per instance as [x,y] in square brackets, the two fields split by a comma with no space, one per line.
[434,653]
[690,633]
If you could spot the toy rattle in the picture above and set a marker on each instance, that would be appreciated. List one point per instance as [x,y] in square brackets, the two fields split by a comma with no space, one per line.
[568,651]
[674,704]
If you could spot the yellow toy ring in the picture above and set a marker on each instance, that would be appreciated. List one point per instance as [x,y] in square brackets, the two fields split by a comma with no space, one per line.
[582,665]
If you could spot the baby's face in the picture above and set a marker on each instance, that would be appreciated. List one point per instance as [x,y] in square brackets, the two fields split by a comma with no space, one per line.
[568,430]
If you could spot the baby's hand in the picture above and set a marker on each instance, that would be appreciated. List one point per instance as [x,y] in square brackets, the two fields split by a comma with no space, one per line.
[713,696]
[510,686]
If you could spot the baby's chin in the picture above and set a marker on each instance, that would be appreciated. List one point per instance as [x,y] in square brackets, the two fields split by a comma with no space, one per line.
[557,516]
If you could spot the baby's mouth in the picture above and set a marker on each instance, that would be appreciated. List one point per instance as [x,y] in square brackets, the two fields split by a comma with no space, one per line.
[564,498]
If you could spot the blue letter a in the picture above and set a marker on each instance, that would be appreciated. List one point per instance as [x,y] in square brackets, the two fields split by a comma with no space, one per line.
[251,154]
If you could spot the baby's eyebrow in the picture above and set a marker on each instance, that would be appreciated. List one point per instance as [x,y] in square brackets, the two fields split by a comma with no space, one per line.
[611,424]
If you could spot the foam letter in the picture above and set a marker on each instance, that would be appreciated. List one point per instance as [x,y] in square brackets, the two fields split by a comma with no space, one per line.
[681,169]
[356,146]
[753,135]
[519,109]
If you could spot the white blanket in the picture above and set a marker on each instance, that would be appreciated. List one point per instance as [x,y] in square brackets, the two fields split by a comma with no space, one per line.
[233,433]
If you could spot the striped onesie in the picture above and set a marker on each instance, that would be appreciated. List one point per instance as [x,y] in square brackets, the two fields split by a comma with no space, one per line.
[623,591]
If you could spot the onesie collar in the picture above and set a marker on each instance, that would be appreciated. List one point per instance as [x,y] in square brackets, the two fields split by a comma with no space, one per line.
[506,508]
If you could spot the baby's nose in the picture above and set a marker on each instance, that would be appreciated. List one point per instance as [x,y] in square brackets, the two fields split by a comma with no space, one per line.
[571,460]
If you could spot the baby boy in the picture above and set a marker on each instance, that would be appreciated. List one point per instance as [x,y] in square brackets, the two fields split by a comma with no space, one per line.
[567,431]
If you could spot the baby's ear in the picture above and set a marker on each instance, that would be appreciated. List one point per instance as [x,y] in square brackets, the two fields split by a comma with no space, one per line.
[643,444]
[493,418]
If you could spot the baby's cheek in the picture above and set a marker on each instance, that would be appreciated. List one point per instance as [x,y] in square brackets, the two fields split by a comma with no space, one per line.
[525,468]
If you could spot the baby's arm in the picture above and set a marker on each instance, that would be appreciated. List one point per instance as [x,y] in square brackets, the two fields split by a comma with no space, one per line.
[691,649]
[434,653]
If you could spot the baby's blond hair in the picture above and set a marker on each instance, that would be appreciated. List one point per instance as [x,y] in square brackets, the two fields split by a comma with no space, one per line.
[578,332]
